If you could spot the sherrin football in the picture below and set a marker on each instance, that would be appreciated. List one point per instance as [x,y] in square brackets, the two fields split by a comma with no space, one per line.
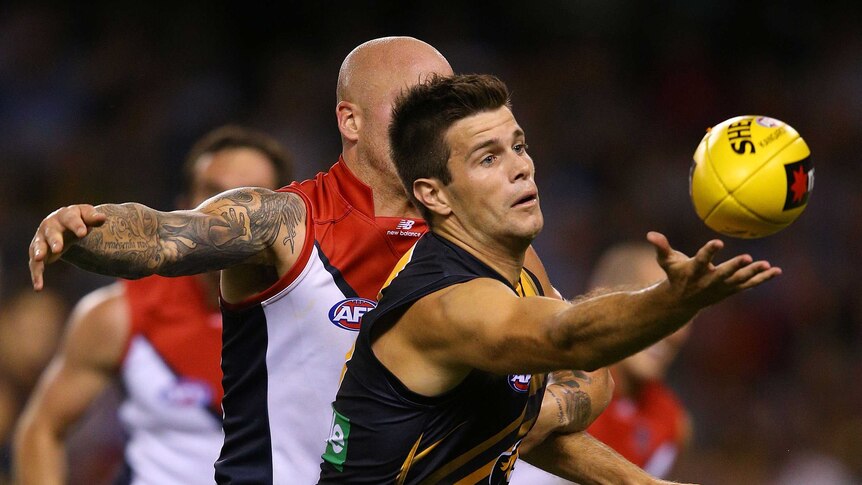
[751,176]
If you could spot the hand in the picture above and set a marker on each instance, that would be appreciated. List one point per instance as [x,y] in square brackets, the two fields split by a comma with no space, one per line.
[697,282]
[56,233]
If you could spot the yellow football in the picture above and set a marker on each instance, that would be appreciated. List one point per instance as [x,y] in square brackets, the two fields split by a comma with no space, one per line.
[751,176]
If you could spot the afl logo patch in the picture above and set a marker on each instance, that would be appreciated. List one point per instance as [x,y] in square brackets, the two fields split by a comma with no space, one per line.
[348,313]
[520,382]
[187,393]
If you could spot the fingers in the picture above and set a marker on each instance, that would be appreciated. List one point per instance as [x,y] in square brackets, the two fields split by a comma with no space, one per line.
[73,222]
[36,270]
[92,217]
[706,254]
[740,273]
[730,268]
[77,219]
[661,244]
[760,277]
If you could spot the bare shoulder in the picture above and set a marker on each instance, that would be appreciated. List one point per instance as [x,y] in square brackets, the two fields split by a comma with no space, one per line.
[455,311]
[98,328]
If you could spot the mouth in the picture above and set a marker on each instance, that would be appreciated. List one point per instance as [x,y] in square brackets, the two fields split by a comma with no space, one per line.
[528,199]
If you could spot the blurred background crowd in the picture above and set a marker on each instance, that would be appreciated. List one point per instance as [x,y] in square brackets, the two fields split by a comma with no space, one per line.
[100,101]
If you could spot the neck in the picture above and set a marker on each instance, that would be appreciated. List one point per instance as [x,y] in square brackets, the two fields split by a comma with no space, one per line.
[390,200]
[506,259]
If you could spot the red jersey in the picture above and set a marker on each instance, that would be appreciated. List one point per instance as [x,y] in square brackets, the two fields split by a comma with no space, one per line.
[646,429]
[172,381]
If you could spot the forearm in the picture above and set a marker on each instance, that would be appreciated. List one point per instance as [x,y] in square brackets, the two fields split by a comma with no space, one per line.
[581,458]
[137,241]
[127,245]
[39,455]
[606,328]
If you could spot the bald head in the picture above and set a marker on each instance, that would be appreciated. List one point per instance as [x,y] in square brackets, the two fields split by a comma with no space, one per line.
[377,67]
[371,78]
[631,263]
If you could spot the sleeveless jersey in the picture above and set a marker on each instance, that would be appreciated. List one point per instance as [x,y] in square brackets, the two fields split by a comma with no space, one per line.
[646,430]
[283,350]
[172,383]
[382,432]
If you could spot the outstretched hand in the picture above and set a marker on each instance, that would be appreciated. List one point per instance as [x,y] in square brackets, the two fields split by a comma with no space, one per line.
[698,281]
[60,229]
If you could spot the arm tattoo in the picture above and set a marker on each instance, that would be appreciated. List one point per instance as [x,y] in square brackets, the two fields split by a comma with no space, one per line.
[137,241]
[574,405]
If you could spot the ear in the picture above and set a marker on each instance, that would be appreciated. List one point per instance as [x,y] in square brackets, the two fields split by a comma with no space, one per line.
[349,120]
[432,194]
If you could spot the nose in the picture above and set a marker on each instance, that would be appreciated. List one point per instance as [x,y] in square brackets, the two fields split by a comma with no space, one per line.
[522,167]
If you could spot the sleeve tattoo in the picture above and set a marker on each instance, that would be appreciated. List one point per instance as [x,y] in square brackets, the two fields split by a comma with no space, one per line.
[573,403]
[137,241]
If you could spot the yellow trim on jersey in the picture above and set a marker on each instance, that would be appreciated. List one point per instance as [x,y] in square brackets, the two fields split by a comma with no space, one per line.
[453,465]
[526,285]
[408,462]
[347,357]
[414,457]
[488,468]
[537,381]
[397,269]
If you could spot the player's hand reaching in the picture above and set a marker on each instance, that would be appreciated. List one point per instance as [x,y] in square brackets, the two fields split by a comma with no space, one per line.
[697,282]
[60,229]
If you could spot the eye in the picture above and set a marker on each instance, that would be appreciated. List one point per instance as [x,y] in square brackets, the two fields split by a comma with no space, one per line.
[488,160]
[520,148]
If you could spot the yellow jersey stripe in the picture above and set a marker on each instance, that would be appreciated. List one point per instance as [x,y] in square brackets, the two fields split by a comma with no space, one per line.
[397,269]
[408,462]
[526,285]
[480,473]
[453,465]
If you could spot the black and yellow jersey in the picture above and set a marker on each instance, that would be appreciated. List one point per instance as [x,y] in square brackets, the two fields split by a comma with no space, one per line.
[382,432]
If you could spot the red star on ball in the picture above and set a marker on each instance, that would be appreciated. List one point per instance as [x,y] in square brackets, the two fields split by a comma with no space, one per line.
[800,184]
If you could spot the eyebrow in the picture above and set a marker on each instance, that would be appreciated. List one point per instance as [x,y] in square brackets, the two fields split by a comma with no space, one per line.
[518,133]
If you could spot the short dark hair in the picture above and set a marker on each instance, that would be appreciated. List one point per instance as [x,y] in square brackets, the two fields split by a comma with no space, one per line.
[235,136]
[424,113]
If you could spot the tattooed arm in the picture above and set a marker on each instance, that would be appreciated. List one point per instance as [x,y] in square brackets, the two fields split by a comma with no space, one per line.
[579,397]
[248,225]
[573,400]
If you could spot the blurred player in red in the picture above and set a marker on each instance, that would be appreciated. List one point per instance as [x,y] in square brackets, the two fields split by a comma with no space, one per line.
[645,422]
[161,337]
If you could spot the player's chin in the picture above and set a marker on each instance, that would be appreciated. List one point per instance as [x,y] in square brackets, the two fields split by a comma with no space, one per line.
[531,226]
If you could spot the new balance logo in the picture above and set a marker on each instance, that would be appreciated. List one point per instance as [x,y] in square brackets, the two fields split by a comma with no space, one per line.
[405,224]
[403,228]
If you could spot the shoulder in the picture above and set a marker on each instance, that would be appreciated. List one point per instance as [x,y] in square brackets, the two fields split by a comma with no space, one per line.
[468,301]
[99,327]
[102,302]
